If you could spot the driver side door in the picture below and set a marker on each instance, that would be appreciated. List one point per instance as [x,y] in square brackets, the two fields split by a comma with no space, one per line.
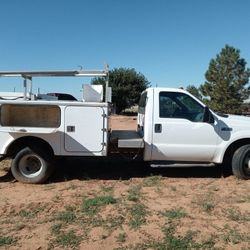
[179,133]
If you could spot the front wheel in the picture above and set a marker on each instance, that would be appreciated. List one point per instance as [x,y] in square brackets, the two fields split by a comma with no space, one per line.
[31,165]
[241,162]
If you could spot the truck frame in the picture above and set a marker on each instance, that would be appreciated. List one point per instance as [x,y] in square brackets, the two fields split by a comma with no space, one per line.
[174,128]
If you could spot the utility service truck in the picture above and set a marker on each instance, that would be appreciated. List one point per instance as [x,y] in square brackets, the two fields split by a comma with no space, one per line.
[173,127]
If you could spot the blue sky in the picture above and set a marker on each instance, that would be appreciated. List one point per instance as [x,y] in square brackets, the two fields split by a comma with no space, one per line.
[169,41]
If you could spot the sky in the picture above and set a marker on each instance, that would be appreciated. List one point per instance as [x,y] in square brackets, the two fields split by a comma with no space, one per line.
[171,42]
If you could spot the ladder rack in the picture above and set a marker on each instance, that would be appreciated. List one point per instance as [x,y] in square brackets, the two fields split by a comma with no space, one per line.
[58,73]
[28,75]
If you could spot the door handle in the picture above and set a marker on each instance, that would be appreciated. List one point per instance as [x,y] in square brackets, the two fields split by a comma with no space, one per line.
[71,128]
[158,128]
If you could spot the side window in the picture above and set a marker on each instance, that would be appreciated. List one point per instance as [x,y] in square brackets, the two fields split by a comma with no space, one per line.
[180,105]
[168,107]
[142,103]
[18,115]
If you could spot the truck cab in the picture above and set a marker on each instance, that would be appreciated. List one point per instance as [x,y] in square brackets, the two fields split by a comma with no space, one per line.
[178,127]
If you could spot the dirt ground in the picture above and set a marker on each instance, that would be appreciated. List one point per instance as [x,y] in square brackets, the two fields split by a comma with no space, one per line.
[111,204]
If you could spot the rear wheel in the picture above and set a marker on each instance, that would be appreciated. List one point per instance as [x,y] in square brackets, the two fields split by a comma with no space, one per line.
[32,165]
[241,162]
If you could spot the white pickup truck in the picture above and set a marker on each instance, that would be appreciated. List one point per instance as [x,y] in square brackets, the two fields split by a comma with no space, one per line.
[173,127]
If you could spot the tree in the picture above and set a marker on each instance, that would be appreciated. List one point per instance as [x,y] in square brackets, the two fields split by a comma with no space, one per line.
[226,81]
[127,86]
[194,91]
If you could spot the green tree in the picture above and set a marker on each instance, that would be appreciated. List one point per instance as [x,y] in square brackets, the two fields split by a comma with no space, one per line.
[127,85]
[226,81]
[194,91]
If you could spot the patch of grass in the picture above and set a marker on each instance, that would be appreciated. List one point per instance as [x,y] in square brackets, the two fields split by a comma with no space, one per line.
[7,221]
[68,239]
[170,241]
[206,203]
[174,242]
[64,239]
[110,223]
[56,198]
[174,214]
[236,215]
[66,216]
[92,205]
[121,238]
[107,189]
[138,215]
[207,206]
[152,181]
[7,241]
[134,193]
[234,236]
[27,214]
[207,244]
[94,220]
[70,208]
[113,222]
[233,214]
[56,228]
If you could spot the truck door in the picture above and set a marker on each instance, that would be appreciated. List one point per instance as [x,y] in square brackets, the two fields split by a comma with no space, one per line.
[84,129]
[179,133]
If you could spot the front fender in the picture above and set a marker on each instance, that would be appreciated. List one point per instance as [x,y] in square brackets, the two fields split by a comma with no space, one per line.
[238,138]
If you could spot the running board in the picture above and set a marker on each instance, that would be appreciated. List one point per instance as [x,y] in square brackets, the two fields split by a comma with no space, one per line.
[180,164]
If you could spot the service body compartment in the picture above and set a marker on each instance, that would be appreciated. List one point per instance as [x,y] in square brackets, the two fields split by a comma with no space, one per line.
[84,129]
[70,128]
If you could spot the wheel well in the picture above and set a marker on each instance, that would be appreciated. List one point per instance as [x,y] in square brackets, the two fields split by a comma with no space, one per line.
[27,141]
[233,147]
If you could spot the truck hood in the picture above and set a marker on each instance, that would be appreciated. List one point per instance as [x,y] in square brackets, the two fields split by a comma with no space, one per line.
[237,122]
[238,118]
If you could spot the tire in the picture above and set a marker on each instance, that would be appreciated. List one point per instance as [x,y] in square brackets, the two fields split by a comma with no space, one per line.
[241,162]
[32,165]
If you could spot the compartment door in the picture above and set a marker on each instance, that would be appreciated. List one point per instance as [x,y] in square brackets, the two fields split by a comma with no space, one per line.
[84,129]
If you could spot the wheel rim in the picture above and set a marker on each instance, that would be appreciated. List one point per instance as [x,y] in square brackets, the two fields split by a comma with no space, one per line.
[246,166]
[30,166]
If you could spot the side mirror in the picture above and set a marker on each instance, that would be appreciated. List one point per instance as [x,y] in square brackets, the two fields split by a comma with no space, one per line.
[208,117]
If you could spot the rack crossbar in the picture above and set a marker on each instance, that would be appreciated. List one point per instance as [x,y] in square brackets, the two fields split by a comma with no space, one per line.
[57,73]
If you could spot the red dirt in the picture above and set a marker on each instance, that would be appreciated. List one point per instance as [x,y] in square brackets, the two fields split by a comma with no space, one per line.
[214,210]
